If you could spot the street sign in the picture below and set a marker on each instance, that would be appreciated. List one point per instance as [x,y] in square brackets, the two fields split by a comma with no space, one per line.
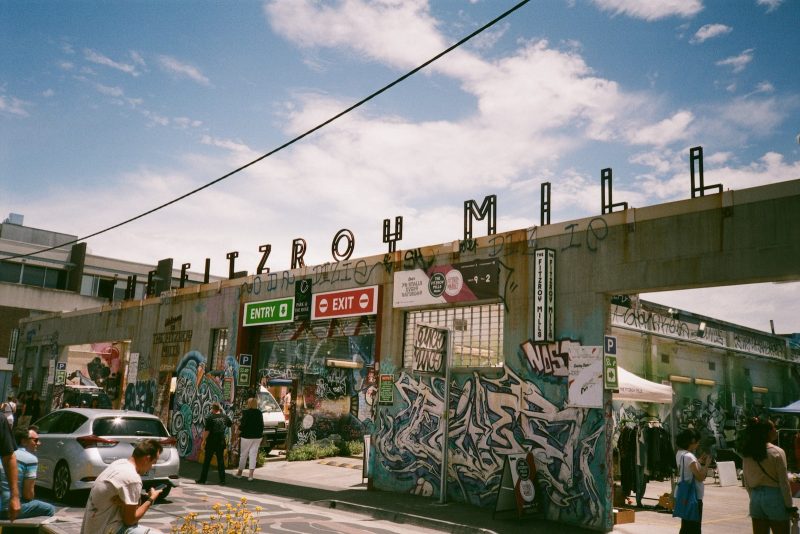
[61,373]
[269,312]
[345,303]
[245,361]
[610,374]
[386,390]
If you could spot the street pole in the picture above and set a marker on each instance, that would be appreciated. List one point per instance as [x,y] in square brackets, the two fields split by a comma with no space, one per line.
[446,416]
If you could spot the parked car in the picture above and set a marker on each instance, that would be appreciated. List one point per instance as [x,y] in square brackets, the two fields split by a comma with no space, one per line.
[86,397]
[77,444]
[274,420]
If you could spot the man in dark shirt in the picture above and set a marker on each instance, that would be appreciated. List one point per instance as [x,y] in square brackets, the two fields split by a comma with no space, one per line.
[214,442]
[7,448]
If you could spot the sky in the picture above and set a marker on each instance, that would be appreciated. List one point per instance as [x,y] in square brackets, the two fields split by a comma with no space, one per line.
[109,109]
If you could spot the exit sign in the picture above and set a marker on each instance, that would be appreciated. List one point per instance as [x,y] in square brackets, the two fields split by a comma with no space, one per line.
[269,312]
[345,303]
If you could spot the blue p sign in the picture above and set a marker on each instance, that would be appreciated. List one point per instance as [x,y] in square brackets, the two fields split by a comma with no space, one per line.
[611,345]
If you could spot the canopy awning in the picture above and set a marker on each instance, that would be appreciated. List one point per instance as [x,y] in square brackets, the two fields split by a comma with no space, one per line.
[792,408]
[633,388]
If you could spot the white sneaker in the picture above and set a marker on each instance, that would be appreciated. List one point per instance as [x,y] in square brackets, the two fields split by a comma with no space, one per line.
[249,479]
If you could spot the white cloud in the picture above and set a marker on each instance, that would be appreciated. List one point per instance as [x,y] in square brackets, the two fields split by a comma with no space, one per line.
[651,10]
[13,106]
[709,31]
[668,131]
[182,70]
[48,93]
[116,92]
[137,58]
[100,59]
[772,5]
[737,63]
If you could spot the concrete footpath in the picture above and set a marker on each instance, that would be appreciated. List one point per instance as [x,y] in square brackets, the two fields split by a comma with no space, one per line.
[322,487]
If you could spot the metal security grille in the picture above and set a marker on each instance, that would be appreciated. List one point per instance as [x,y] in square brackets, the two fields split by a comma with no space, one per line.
[477,333]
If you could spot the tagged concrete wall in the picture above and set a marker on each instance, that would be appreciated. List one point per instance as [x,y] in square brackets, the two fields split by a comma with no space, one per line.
[521,405]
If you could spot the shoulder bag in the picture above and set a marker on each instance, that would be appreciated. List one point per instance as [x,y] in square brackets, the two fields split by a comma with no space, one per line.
[686,505]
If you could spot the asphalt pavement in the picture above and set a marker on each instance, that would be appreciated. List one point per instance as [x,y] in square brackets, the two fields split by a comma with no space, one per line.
[329,495]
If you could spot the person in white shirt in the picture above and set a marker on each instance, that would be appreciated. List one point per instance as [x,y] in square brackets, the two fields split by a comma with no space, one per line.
[113,505]
[689,467]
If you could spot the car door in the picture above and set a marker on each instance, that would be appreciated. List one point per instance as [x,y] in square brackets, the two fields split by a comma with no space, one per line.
[56,437]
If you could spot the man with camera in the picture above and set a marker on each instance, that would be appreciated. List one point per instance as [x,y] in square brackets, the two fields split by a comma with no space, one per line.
[113,504]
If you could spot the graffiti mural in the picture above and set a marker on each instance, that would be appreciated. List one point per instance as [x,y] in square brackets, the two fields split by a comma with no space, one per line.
[141,396]
[195,392]
[495,417]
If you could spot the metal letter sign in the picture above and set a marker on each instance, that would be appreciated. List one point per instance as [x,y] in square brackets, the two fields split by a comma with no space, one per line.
[269,312]
[544,290]
[610,375]
[430,350]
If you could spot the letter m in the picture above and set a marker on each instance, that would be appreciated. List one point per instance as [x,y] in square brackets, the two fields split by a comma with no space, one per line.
[488,208]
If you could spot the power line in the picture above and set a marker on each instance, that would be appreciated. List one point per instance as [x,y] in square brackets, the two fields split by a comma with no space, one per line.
[288,143]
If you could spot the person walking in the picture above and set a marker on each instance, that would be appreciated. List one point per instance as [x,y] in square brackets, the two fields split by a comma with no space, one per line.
[214,442]
[766,478]
[689,467]
[27,466]
[251,431]
[113,504]
[9,409]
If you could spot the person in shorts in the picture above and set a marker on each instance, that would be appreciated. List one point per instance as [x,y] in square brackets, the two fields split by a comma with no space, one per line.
[766,478]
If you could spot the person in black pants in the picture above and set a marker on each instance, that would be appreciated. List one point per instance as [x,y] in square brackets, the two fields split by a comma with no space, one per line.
[214,442]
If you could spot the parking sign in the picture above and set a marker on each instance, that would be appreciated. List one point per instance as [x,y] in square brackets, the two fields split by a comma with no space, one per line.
[610,375]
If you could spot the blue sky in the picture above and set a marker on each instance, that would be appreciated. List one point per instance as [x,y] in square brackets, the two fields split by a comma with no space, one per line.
[108,109]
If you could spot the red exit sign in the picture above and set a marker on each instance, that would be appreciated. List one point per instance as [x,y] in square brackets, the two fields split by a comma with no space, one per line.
[346,303]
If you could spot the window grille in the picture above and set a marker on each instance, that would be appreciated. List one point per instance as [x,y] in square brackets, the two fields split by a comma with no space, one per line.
[477,333]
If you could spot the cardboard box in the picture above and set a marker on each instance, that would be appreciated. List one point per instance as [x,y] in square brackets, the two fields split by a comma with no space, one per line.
[624,515]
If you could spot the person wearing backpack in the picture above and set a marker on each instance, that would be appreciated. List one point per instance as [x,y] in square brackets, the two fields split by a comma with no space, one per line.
[766,478]
[690,468]
[214,442]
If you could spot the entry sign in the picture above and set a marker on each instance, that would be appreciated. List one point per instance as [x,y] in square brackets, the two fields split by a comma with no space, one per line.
[430,350]
[610,374]
[245,362]
[269,312]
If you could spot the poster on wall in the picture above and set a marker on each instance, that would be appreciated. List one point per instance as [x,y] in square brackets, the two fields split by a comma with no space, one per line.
[430,350]
[386,390]
[459,282]
[133,368]
[585,376]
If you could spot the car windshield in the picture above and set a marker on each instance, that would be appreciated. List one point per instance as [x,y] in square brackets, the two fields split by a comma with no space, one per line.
[129,426]
[267,403]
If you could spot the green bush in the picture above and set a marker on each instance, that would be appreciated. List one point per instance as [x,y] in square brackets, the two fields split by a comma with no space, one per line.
[312,451]
[351,448]
[261,459]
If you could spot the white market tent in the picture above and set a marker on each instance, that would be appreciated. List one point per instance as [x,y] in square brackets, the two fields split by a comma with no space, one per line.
[792,408]
[633,388]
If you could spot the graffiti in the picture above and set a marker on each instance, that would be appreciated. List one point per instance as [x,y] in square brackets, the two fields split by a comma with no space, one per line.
[467,245]
[333,385]
[498,244]
[757,345]
[548,359]
[195,392]
[508,283]
[413,259]
[641,319]
[596,231]
[270,373]
[305,436]
[493,417]
[141,396]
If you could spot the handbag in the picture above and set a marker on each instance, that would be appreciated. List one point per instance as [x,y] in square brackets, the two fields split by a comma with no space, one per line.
[686,505]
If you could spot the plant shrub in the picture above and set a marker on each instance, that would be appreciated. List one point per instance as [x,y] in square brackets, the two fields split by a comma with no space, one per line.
[311,451]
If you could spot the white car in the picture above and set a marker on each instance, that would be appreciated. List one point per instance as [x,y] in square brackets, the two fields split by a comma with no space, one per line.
[77,444]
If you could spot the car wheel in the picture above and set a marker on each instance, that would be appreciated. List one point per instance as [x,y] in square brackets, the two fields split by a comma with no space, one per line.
[61,482]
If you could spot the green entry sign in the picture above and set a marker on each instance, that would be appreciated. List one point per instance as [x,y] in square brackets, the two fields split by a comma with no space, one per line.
[269,312]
